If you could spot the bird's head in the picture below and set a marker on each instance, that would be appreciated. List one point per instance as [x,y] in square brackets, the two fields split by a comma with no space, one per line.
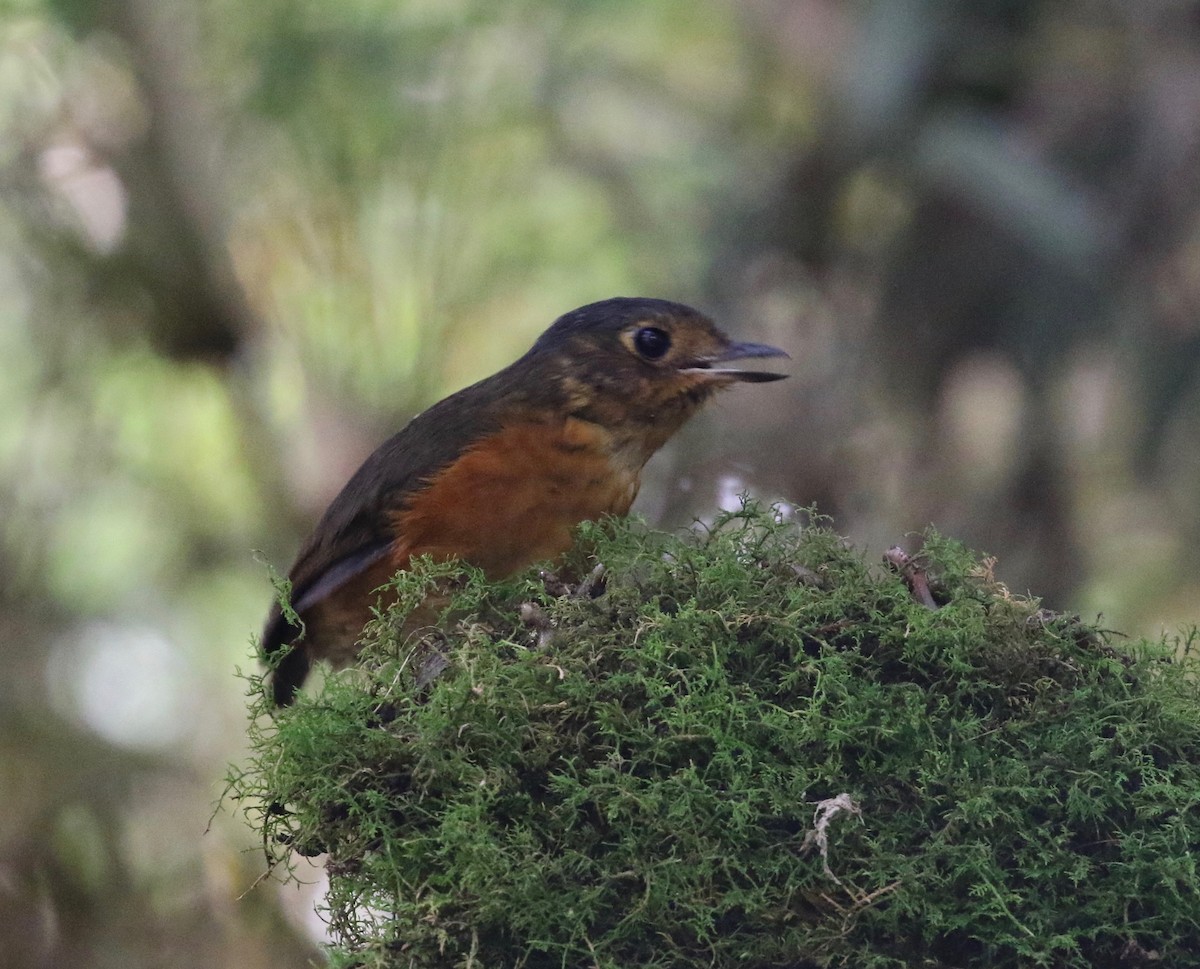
[626,361]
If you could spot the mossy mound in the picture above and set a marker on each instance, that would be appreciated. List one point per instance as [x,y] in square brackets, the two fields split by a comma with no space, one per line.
[635,778]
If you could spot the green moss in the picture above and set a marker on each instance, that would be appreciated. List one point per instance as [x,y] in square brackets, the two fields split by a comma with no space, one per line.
[627,779]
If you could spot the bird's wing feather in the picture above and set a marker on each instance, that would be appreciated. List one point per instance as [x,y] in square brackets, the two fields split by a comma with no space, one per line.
[356,529]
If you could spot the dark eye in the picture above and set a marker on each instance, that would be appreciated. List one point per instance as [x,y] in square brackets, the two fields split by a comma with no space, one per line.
[651,342]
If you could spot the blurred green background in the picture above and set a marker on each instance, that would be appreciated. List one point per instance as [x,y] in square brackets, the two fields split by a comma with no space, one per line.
[240,244]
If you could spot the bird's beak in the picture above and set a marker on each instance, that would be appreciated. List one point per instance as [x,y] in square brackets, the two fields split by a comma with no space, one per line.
[714,365]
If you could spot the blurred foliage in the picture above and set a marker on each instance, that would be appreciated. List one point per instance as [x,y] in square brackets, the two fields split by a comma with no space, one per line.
[240,243]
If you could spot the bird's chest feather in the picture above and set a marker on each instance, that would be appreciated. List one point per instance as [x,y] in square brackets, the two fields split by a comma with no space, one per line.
[514,498]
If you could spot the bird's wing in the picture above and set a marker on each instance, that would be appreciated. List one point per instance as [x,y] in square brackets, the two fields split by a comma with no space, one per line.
[357,529]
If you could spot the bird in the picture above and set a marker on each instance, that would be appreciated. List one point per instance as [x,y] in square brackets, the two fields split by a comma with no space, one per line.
[499,474]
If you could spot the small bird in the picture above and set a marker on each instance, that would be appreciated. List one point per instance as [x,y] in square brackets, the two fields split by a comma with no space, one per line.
[500,473]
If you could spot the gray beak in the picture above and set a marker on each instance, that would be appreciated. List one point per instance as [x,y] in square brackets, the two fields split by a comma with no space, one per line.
[715,365]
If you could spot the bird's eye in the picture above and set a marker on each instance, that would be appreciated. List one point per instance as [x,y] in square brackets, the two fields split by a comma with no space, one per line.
[651,342]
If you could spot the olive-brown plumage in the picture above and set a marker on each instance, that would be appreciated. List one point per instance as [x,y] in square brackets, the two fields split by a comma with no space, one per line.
[500,473]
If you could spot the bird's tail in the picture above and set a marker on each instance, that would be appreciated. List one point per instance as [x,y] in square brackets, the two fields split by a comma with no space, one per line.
[290,674]
[288,671]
